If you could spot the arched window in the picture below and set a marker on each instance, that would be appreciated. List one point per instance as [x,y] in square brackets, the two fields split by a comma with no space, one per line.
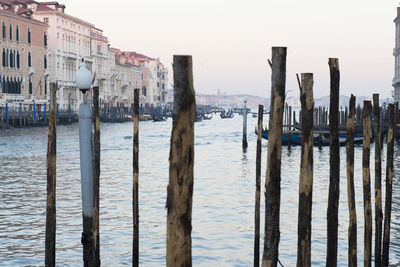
[29,60]
[7,86]
[10,31]
[11,59]
[17,33]
[3,28]
[3,58]
[3,85]
[45,62]
[19,86]
[29,35]
[18,60]
[7,62]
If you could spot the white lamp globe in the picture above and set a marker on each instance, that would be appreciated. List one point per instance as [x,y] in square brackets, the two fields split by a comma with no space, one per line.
[83,78]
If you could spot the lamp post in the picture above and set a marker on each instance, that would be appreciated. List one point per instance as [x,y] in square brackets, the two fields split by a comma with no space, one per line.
[83,79]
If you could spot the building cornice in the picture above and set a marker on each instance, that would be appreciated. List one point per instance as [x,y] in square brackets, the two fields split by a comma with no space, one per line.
[15,16]
[66,16]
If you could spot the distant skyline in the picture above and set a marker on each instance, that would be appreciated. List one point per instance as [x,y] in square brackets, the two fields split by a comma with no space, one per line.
[230,41]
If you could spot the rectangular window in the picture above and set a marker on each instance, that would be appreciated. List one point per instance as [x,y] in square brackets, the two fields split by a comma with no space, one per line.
[29,36]
[46,20]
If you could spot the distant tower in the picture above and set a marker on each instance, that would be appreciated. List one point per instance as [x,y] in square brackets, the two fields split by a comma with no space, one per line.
[396,54]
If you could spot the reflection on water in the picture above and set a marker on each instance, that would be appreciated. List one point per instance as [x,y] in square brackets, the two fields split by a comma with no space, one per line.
[223,199]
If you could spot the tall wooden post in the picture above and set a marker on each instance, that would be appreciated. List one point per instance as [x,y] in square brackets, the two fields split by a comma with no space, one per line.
[96,176]
[334,160]
[135,204]
[378,182]
[367,183]
[181,158]
[258,188]
[389,184]
[352,235]
[306,172]
[273,176]
[50,250]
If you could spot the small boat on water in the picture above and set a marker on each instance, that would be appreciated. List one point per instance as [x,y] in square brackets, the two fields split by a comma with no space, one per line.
[318,138]
[208,116]
[157,118]
[227,115]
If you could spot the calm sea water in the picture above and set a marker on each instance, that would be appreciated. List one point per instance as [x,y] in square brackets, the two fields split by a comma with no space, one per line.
[223,198]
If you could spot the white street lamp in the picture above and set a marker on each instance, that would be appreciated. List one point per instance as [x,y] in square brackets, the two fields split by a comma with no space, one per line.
[83,80]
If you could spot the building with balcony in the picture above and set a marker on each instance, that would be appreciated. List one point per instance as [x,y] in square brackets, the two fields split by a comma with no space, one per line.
[69,41]
[24,69]
[396,54]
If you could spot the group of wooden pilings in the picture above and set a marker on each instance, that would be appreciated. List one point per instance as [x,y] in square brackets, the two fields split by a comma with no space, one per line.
[19,115]
[308,123]
[180,186]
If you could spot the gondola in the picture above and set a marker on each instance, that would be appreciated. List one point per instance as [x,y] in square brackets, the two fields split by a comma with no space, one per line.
[319,139]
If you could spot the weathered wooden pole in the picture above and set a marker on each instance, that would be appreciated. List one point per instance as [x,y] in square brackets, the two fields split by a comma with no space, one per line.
[306,172]
[50,248]
[96,176]
[135,189]
[258,188]
[352,235]
[244,140]
[290,127]
[273,175]
[389,184]
[367,183]
[181,158]
[334,161]
[378,183]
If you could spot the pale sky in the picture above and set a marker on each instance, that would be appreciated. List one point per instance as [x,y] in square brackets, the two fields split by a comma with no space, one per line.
[230,41]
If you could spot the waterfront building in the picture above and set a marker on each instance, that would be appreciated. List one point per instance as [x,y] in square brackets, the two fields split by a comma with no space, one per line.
[396,54]
[154,77]
[24,69]
[102,62]
[69,42]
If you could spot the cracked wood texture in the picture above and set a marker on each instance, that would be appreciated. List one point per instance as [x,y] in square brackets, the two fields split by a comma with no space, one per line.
[352,231]
[378,182]
[367,183]
[273,175]
[181,158]
[334,160]
[50,247]
[135,189]
[306,172]
[389,184]
[258,188]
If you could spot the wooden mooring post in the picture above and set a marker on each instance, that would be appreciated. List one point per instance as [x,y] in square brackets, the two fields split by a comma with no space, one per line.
[273,175]
[50,246]
[306,172]
[367,183]
[352,231]
[135,189]
[181,158]
[389,184]
[378,182]
[96,176]
[334,160]
[258,188]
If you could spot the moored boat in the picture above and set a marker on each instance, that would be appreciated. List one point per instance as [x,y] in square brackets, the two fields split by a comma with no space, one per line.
[319,139]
